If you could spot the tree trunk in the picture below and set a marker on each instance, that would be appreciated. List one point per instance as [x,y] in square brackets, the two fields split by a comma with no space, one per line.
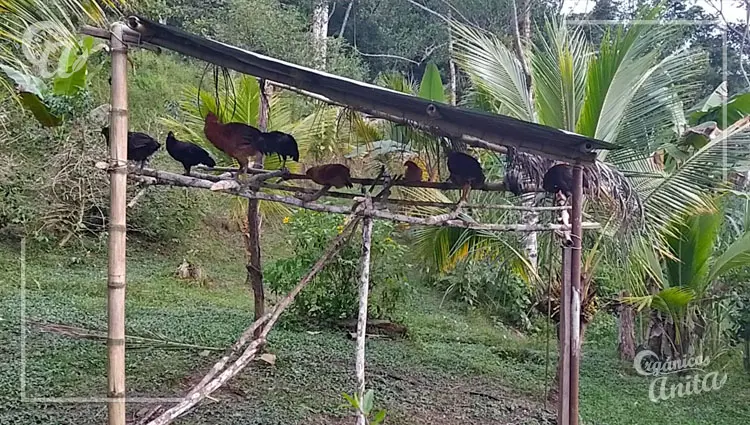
[523,44]
[320,33]
[626,330]
[346,18]
[452,64]
[530,241]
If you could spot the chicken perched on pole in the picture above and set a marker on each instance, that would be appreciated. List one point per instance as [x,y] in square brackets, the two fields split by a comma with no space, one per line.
[238,140]
[188,154]
[465,172]
[413,172]
[328,175]
[282,144]
[140,146]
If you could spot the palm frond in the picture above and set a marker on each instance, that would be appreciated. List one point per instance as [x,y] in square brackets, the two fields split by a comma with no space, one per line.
[559,67]
[494,68]
[684,189]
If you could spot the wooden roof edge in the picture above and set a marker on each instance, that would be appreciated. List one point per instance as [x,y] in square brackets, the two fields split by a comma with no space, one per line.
[445,119]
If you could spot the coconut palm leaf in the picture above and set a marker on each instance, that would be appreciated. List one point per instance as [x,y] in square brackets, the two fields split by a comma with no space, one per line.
[560,66]
[684,189]
[493,68]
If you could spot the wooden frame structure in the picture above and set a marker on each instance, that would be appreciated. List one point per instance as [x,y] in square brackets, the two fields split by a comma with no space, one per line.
[477,129]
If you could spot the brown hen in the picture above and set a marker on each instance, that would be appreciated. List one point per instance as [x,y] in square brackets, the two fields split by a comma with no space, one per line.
[336,175]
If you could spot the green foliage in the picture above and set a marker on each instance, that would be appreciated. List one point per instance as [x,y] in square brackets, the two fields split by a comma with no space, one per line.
[737,107]
[431,87]
[491,286]
[333,294]
[366,406]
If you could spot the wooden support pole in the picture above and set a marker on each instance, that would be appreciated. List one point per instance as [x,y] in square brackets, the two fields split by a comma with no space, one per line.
[563,365]
[254,225]
[364,289]
[575,294]
[117,238]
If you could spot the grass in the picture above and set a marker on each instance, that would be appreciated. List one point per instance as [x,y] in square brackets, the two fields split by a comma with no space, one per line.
[454,366]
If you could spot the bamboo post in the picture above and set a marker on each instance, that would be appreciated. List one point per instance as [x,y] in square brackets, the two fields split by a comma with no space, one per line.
[252,237]
[117,242]
[575,293]
[364,289]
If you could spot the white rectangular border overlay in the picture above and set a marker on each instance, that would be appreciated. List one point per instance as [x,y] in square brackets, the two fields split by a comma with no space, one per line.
[68,400]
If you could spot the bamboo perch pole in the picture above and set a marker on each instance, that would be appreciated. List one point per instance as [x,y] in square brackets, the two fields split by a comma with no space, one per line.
[342,195]
[211,382]
[364,289]
[117,239]
[489,187]
[166,178]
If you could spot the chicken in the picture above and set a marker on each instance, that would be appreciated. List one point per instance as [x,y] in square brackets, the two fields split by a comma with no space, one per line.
[283,145]
[140,145]
[559,178]
[188,154]
[466,172]
[240,141]
[336,175]
[413,172]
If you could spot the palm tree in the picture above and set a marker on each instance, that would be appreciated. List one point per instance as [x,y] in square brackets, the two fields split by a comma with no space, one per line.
[686,282]
[624,92]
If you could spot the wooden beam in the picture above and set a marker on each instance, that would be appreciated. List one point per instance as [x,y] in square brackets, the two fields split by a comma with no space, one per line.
[130,37]
[444,119]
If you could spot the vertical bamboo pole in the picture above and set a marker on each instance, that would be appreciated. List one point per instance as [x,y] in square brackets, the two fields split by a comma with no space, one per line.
[575,278]
[117,242]
[364,289]
[252,237]
[563,371]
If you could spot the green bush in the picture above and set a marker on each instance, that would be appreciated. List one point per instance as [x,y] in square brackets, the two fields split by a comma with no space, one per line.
[333,294]
[490,286]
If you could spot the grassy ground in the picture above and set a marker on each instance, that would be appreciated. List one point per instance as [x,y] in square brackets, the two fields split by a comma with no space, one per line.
[454,367]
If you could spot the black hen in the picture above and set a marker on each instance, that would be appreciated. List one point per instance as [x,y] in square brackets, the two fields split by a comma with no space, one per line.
[282,144]
[140,145]
[559,178]
[466,172]
[188,154]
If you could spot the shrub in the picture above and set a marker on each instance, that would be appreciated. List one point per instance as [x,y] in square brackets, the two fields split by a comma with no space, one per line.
[333,294]
[491,286]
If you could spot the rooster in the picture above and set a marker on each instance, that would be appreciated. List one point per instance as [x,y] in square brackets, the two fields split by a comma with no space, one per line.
[240,141]
[413,172]
[140,145]
[336,175]
[283,145]
[465,172]
[188,154]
